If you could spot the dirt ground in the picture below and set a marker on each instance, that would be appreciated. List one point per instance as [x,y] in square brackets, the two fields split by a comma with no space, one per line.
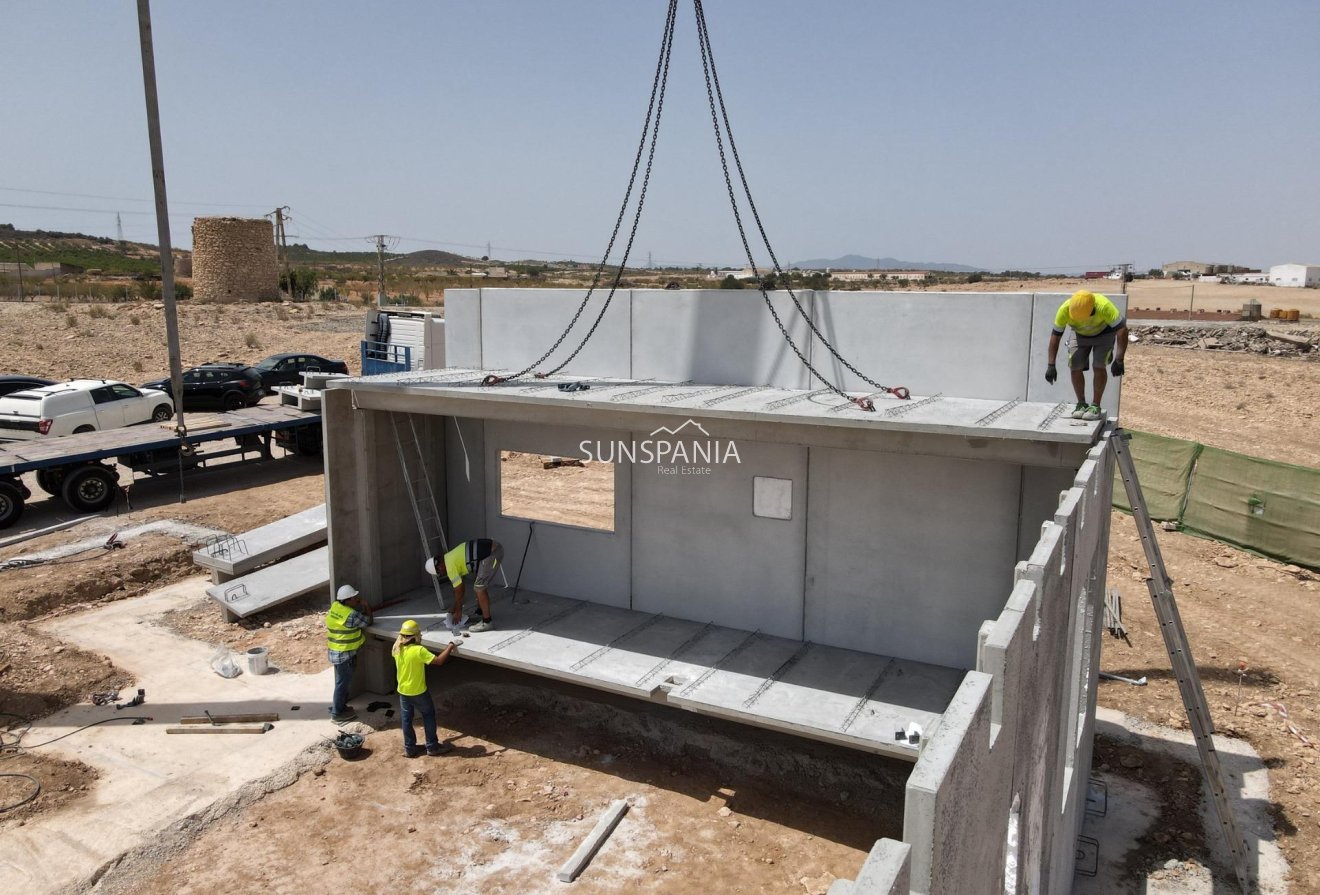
[1236,607]
[714,807]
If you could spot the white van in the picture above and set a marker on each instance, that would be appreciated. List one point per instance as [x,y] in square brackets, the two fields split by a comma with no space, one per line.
[81,405]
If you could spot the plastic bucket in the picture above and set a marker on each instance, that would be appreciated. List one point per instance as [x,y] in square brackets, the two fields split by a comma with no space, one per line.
[258,660]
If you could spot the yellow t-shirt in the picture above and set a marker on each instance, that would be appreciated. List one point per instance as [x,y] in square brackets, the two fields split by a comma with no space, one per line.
[411,662]
[1105,316]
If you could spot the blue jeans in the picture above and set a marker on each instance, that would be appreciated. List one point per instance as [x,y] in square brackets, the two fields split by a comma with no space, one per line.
[423,704]
[343,678]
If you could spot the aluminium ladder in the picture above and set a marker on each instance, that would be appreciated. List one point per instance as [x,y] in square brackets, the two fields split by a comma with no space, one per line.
[1180,654]
[417,480]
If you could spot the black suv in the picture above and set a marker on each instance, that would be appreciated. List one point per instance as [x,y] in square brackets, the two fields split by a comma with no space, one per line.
[287,369]
[227,386]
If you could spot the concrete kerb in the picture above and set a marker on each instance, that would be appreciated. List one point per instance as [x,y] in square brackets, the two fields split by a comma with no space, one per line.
[150,782]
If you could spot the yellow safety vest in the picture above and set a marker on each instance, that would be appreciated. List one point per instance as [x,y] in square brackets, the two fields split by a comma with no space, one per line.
[339,637]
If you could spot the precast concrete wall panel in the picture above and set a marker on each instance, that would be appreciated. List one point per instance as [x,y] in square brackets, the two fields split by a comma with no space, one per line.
[957,801]
[463,328]
[1045,306]
[971,344]
[699,552]
[583,563]
[519,325]
[907,554]
[718,336]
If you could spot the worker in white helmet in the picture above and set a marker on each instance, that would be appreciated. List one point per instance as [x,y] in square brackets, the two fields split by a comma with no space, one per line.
[345,632]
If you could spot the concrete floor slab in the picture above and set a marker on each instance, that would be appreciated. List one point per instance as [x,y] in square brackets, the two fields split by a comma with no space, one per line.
[275,584]
[836,695]
[266,544]
[151,781]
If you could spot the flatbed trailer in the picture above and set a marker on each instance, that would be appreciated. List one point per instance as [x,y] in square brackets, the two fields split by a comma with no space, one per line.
[74,468]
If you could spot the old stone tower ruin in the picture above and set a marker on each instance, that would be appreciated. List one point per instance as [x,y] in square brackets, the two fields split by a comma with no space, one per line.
[234,260]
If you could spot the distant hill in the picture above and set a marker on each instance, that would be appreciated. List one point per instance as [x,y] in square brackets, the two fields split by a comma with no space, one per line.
[430,258]
[857,262]
[87,252]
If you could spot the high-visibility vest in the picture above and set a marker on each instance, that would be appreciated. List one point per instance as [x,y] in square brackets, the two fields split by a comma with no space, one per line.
[339,637]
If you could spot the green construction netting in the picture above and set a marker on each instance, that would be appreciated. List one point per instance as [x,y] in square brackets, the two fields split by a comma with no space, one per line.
[1163,468]
[1264,506]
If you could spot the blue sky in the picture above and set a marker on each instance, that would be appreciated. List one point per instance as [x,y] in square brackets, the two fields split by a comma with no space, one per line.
[1043,135]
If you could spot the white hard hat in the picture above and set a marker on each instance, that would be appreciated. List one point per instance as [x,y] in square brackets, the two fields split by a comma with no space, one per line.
[346,592]
[430,566]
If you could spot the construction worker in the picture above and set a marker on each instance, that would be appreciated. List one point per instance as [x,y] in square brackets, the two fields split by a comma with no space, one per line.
[484,556]
[1100,332]
[411,660]
[345,622]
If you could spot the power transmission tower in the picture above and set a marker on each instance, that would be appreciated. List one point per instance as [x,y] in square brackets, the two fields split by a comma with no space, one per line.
[281,216]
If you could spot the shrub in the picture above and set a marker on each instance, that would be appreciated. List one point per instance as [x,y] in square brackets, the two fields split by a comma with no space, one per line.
[251,341]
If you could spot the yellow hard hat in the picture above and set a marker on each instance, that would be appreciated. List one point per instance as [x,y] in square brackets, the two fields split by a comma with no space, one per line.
[1081,306]
[410,628]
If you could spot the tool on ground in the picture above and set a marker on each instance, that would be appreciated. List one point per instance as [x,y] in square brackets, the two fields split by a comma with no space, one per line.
[1137,682]
[421,497]
[531,528]
[1160,586]
[216,720]
[205,728]
[137,700]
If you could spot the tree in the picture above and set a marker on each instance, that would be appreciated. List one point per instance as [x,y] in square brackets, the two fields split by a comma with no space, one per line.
[304,282]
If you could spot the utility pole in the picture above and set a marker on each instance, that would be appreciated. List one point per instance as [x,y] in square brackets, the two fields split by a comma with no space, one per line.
[281,216]
[380,260]
[162,219]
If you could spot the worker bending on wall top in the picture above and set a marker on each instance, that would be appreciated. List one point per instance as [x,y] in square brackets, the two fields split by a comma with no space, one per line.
[410,661]
[1101,333]
[345,622]
[482,556]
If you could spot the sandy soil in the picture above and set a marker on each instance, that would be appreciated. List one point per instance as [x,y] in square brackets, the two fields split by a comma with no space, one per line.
[715,807]
[1236,608]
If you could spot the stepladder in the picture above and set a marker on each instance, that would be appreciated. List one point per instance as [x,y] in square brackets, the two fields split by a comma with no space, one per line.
[421,494]
[1176,644]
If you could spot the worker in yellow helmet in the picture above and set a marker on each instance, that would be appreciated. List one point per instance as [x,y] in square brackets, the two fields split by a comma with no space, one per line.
[345,633]
[480,557]
[410,661]
[1101,333]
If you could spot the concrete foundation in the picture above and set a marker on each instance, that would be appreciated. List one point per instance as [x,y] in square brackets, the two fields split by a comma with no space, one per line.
[934,567]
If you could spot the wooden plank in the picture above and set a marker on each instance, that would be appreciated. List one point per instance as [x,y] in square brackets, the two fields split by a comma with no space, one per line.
[208,729]
[231,719]
[574,866]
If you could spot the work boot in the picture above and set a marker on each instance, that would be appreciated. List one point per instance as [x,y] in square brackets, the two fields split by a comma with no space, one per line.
[484,625]
[1093,412]
[1079,412]
[439,749]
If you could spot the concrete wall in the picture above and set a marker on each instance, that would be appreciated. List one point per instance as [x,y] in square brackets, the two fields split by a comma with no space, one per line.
[1017,736]
[972,345]
[908,554]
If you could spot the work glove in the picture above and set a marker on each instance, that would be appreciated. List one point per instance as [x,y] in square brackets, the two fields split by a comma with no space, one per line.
[1052,373]
[1116,367]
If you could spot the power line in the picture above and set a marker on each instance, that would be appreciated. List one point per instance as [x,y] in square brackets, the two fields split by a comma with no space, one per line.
[15,189]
